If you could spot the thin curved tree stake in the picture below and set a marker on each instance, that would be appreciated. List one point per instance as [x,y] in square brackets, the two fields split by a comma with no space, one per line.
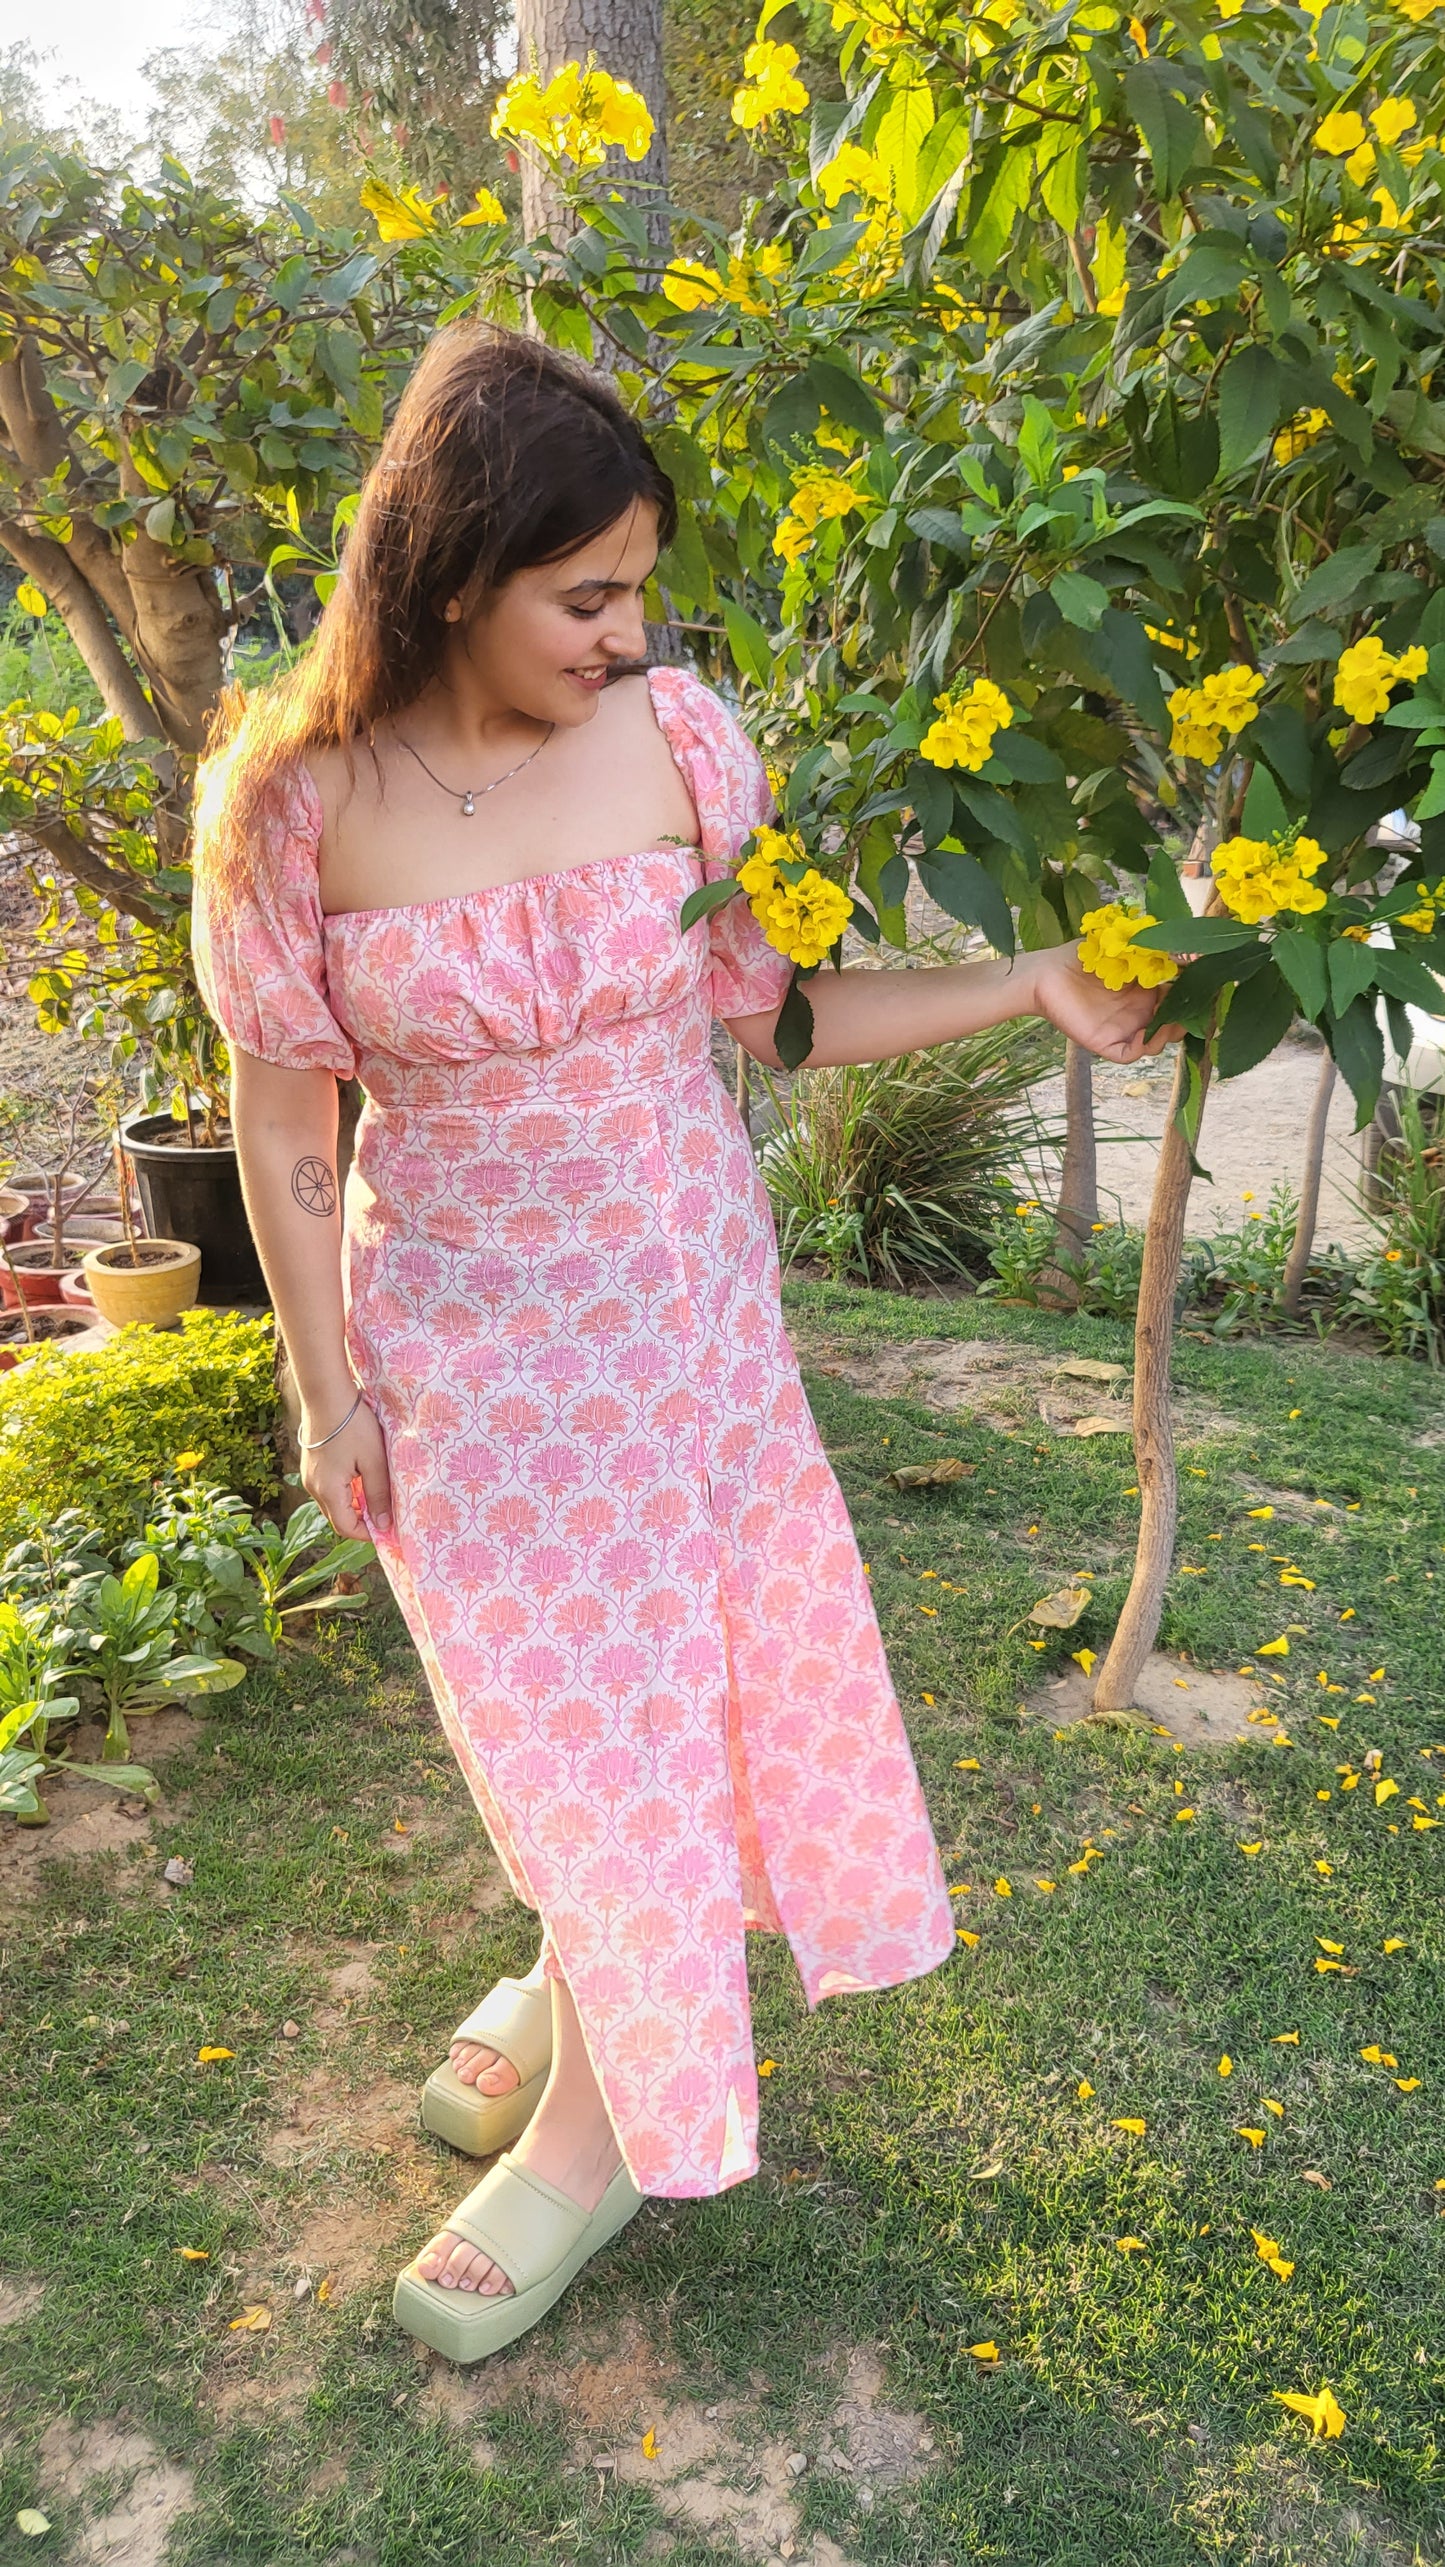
[1302,1244]
[1138,1624]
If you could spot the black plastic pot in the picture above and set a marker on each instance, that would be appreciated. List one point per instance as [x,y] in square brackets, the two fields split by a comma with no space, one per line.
[195,1194]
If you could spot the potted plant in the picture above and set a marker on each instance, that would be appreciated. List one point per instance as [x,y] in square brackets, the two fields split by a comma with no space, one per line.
[33,1269]
[130,1279]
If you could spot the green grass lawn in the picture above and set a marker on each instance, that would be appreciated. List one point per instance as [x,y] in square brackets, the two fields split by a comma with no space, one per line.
[936,2174]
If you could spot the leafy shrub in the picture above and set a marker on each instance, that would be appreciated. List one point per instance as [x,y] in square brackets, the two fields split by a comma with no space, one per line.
[1232,1279]
[894,1172]
[103,1429]
[1399,1287]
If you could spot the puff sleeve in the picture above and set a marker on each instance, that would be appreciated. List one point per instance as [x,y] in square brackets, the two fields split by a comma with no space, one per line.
[732,797]
[258,942]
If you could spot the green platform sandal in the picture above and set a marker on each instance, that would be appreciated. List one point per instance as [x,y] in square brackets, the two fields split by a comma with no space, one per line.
[541,2241]
[516,2022]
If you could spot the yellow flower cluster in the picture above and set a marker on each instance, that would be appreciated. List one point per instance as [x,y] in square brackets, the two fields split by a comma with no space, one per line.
[852,171]
[963,737]
[1303,431]
[802,919]
[771,86]
[1109,952]
[579,115]
[819,497]
[689,285]
[1365,673]
[1202,714]
[1432,902]
[1256,880]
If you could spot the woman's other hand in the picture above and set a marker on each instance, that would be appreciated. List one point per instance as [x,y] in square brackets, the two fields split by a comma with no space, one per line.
[354,1461]
[1106,1021]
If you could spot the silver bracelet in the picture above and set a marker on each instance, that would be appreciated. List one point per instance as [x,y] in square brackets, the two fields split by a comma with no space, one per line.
[315,1446]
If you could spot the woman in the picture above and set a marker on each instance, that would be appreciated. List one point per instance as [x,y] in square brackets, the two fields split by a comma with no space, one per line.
[541,1360]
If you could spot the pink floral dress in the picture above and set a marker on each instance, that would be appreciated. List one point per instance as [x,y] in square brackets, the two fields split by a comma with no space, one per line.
[617,1542]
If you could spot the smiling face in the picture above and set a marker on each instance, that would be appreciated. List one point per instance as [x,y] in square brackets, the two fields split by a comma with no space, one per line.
[543,645]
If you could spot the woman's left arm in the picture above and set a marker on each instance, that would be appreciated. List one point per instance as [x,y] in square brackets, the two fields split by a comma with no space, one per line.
[864,1015]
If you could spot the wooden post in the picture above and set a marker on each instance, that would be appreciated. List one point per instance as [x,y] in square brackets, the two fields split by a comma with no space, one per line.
[743,1091]
[1297,1265]
[1138,1624]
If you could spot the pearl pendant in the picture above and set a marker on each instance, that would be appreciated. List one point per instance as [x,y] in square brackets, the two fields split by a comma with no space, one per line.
[468,806]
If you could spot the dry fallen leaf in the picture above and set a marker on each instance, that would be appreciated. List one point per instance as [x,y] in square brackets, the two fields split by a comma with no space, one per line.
[1098,1426]
[1313,2176]
[930,1475]
[33,2524]
[1060,1612]
[252,2321]
[1086,1368]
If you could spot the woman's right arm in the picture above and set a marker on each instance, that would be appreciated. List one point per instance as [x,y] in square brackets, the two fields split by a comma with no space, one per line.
[285,1127]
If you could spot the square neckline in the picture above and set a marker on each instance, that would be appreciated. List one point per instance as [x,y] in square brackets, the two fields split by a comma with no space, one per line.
[517,882]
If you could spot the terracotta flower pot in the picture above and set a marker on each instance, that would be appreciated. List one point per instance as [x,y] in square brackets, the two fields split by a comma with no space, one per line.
[13,1209]
[83,1230]
[163,1282]
[75,1291]
[48,1321]
[37,1272]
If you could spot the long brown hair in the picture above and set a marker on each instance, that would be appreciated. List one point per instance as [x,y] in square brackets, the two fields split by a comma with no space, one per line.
[502,455]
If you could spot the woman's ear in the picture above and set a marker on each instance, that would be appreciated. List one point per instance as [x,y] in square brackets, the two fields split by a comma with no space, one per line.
[452,611]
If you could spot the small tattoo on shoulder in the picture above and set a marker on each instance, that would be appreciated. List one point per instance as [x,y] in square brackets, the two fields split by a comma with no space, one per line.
[313,1183]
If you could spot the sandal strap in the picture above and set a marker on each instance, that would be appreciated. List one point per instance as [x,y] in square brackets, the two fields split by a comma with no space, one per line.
[516,2022]
[522,2222]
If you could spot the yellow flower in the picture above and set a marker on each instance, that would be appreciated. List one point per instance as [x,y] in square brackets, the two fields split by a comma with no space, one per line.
[486,208]
[190,1461]
[963,736]
[1365,673]
[1084,2090]
[1303,431]
[1131,2245]
[689,285]
[1361,163]
[1392,118]
[1135,2128]
[1268,2251]
[210,2052]
[1202,714]
[1109,953]
[818,499]
[1255,2137]
[771,87]
[1432,898]
[803,920]
[1323,2413]
[402,214]
[1340,132]
[1257,880]
[579,115]
[852,171]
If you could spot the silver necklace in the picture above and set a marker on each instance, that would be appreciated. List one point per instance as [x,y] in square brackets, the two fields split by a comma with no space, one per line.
[477,792]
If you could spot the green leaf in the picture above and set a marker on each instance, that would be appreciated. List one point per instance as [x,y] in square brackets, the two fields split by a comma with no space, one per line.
[844,396]
[1280,735]
[1251,396]
[1080,600]
[1020,759]
[1264,814]
[1352,969]
[793,1031]
[1164,892]
[1123,651]
[1189,1000]
[992,214]
[750,646]
[1359,1048]
[1404,976]
[902,129]
[931,795]
[792,413]
[1301,958]
[1172,131]
[704,900]
[1196,936]
[1260,1015]
[1214,269]
[1335,582]
[960,885]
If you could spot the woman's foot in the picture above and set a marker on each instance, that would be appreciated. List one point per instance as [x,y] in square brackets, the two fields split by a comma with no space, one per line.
[485,2069]
[569,2143]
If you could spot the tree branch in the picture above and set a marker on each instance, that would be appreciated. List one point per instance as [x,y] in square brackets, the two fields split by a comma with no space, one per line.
[50,565]
[85,865]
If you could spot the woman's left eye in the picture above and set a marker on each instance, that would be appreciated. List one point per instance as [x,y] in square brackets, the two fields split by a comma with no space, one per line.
[585,614]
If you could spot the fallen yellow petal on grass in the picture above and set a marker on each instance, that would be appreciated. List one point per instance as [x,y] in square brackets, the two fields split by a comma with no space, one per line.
[1286,2038]
[1407,2085]
[1085,1658]
[32,2522]
[252,2321]
[1379,2058]
[1376,1676]
[960,1889]
[1325,1967]
[1226,2066]
[1003,1889]
[192,2254]
[1336,1948]
[1256,2138]
[967,1765]
[928,1698]
[1393,1943]
[1083,2090]
[963,1936]
[1385,1790]
[1128,2122]
[985,2352]
[1269,2252]
[211,2052]
[649,2444]
[1256,1848]
[1260,1514]
[766,2067]
[1272,1649]
[1271,2106]
[1421,1824]
[1131,2245]
[1046,1885]
[1323,2413]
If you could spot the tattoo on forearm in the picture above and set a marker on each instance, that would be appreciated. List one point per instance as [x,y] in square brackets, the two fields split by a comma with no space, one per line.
[314,1185]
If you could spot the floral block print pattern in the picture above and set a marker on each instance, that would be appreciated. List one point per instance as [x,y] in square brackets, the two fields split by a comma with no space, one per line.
[617,1542]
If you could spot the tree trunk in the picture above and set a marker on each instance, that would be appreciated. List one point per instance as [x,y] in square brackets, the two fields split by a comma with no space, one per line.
[1078,1208]
[1297,1266]
[742,1090]
[626,37]
[1138,1624]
